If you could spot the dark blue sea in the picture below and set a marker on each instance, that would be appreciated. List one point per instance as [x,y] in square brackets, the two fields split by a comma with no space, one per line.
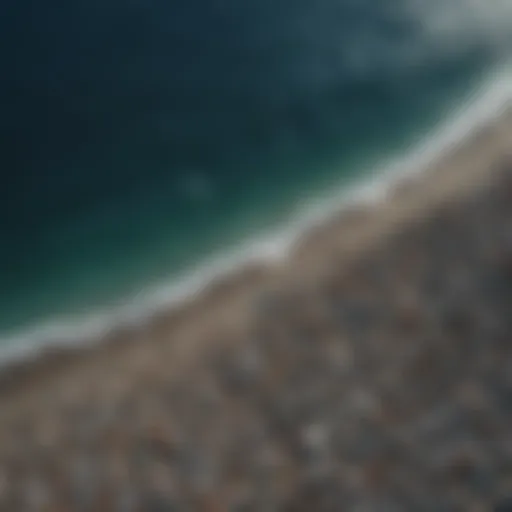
[141,138]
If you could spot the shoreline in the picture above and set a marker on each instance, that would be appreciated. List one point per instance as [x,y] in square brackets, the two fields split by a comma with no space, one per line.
[257,262]
[374,361]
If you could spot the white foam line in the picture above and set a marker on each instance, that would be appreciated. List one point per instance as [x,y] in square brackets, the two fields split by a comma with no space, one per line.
[485,107]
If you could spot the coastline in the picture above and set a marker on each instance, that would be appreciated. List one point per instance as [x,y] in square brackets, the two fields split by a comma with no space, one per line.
[451,166]
[267,249]
[369,367]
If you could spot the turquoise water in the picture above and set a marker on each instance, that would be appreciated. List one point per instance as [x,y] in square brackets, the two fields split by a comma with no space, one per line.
[134,147]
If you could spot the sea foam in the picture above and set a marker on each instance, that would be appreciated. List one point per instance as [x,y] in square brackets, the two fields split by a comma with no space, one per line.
[483,107]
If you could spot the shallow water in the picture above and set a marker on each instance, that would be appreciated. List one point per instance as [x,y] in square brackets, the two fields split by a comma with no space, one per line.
[137,139]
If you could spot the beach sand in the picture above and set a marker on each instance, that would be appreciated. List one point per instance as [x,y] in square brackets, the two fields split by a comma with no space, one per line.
[369,370]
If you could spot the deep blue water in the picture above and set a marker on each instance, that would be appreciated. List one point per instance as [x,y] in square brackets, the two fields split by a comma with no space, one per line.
[138,137]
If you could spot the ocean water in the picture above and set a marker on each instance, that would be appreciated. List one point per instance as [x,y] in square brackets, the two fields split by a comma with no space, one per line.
[140,139]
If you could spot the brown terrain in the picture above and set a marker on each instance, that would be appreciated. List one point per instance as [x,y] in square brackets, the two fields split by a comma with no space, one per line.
[370,371]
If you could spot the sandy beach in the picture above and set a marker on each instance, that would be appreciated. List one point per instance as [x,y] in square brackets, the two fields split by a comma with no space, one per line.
[370,370]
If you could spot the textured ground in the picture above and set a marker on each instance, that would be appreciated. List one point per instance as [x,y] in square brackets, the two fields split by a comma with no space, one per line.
[383,385]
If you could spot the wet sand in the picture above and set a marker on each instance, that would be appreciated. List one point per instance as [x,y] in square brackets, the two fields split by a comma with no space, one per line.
[368,371]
